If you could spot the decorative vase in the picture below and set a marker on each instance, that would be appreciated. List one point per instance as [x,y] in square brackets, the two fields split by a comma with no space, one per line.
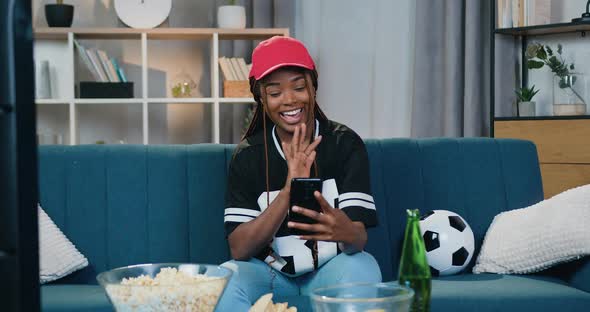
[570,94]
[231,16]
[59,15]
[527,109]
[183,86]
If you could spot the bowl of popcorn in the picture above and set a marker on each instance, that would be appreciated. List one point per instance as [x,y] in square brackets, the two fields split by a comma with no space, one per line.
[165,287]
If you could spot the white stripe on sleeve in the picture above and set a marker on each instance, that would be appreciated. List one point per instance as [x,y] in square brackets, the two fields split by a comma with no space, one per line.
[242,211]
[355,195]
[358,203]
[234,218]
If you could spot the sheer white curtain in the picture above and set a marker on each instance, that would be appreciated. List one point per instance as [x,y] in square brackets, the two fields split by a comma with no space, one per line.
[364,53]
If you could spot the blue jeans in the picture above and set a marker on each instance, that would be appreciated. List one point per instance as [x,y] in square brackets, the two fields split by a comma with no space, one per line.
[254,278]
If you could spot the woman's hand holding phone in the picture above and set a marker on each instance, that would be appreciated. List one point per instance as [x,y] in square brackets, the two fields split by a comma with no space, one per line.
[332,224]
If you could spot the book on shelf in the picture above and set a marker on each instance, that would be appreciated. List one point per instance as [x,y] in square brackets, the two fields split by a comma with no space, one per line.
[108,66]
[101,67]
[243,67]
[86,60]
[538,12]
[93,56]
[119,70]
[521,13]
[225,69]
[234,68]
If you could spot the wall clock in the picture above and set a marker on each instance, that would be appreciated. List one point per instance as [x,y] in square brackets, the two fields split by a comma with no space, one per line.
[143,13]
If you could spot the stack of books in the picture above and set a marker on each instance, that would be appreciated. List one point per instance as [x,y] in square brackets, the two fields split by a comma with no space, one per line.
[234,68]
[100,65]
[235,73]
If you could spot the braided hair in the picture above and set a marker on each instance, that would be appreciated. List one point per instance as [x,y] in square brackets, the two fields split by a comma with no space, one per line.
[260,118]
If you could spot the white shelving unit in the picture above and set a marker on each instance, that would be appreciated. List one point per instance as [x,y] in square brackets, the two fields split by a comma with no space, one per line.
[214,35]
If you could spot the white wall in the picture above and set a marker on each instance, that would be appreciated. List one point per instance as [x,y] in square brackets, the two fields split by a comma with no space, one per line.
[364,54]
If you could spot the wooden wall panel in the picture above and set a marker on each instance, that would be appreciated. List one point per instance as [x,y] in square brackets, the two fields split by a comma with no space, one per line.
[560,177]
[563,147]
[558,141]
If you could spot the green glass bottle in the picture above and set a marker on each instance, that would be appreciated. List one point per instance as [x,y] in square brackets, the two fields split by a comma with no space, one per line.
[413,268]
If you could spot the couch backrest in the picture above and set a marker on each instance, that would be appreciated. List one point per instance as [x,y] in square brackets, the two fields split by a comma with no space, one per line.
[128,204]
[474,177]
[123,205]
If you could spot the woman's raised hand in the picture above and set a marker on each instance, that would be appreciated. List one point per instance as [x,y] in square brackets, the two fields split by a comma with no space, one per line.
[300,154]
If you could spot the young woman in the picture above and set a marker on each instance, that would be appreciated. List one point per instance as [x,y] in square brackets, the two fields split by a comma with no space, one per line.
[290,137]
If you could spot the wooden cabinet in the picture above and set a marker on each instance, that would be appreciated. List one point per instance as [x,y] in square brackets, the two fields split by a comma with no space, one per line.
[563,145]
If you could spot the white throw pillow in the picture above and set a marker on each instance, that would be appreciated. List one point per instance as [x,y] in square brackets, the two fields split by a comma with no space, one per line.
[537,237]
[58,257]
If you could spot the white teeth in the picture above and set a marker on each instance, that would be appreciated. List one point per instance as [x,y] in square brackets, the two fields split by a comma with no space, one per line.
[293,112]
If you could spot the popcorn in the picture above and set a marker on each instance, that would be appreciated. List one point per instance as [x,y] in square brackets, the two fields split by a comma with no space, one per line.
[170,290]
[264,304]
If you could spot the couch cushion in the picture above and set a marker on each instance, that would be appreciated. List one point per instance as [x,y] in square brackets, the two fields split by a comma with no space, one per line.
[379,235]
[490,292]
[62,298]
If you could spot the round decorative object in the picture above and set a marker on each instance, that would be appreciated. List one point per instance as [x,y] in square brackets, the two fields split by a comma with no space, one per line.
[143,13]
[448,240]
[59,15]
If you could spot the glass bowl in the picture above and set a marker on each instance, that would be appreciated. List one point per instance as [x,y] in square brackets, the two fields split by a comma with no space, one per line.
[179,287]
[365,297]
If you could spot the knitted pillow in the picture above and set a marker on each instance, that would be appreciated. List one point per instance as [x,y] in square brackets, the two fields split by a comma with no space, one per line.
[58,257]
[537,237]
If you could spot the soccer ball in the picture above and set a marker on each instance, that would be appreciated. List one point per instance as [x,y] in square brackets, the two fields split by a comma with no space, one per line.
[449,241]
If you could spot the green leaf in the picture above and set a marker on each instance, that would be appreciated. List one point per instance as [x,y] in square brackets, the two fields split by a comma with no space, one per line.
[532,64]
[559,48]
[549,51]
[542,54]
[572,66]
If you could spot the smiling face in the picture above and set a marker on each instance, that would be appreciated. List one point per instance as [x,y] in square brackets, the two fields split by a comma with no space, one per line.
[288,101]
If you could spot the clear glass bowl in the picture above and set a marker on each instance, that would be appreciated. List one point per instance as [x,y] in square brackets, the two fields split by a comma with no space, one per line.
[175,292]
[365,297]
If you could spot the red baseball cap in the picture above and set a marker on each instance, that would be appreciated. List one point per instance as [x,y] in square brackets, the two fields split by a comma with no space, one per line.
[277,52]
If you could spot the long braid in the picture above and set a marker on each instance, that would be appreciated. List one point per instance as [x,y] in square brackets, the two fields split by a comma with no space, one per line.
[311,118]
[265,149]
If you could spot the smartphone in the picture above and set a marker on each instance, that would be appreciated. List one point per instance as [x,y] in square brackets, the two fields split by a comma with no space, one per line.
[302,190]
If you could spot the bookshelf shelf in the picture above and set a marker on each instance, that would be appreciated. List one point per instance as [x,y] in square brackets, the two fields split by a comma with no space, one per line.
[213,35]
[58,33]
[237,100]
[179,100]
[548,29]
[51,101]
[108,101]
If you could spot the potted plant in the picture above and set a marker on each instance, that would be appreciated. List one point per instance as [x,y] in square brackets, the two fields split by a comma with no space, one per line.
[59,14]
[569,87]
[526,106]
[231,16]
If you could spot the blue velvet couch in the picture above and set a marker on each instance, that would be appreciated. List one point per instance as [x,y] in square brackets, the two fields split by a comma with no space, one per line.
[123,205]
